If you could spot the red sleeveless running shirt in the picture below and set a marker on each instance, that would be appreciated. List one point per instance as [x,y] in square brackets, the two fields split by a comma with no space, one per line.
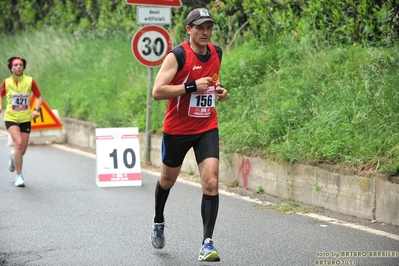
[193,113]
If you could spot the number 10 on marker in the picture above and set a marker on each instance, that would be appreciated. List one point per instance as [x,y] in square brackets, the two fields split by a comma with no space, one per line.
[128,153]
[118,157]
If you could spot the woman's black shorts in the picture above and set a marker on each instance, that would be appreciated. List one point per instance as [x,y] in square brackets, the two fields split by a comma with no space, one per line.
[24,127]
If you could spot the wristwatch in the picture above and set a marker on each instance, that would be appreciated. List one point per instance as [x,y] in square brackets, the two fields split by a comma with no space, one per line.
[37,109]
[219,85]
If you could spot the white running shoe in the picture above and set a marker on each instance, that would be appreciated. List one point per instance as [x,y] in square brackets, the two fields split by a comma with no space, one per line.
[208,252]
[11,165]
[157,235]
[19,181]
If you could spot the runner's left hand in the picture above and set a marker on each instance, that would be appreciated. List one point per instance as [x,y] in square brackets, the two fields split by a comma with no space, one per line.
[221,94]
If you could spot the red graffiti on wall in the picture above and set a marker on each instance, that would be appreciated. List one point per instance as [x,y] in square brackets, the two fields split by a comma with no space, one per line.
[244,170]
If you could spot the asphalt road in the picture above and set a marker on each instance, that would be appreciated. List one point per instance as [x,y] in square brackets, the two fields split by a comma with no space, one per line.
[62,217]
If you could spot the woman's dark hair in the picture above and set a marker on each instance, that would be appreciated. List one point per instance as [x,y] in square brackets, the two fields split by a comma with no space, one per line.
[9,61]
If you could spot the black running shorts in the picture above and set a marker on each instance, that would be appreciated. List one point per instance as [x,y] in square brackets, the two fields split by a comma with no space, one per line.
[24,127]
[175,147]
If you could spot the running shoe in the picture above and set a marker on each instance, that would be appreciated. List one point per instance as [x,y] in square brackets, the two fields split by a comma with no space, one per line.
[157,235]
[208,252]
[19,181]
[11,165]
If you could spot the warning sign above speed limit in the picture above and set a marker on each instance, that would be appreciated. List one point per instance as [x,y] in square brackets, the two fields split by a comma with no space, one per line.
[150,45]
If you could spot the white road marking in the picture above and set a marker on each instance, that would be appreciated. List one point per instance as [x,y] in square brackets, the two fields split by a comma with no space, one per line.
[325,219]
[354,226]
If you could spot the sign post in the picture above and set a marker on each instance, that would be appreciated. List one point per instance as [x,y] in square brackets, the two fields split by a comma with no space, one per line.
[151,44]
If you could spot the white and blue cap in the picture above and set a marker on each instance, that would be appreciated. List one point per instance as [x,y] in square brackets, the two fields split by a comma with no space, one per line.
[199,16]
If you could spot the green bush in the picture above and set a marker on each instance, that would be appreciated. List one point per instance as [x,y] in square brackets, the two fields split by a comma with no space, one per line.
[335,106]
[347,22]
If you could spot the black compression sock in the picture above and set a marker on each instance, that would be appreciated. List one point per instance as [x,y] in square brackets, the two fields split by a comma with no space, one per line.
[161,195]
[209,212]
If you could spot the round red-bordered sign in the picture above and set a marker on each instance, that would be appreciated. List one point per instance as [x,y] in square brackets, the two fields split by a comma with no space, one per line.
[150,45]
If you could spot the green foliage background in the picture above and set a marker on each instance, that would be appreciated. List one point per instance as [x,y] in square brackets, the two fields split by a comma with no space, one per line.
[337,21]
[309,81]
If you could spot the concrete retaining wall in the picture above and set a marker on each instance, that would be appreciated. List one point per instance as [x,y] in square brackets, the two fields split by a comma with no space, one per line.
[370,196]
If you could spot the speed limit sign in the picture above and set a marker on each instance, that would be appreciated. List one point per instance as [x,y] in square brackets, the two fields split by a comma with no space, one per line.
[150,45]
[118,157]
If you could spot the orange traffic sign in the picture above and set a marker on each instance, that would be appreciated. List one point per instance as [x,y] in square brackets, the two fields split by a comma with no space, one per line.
[46,120]
[170,3]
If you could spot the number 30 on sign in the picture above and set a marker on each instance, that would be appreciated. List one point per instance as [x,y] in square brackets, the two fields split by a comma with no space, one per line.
[118,157]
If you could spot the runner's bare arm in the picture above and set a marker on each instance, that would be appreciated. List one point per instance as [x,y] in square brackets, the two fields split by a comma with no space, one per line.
[162,90]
